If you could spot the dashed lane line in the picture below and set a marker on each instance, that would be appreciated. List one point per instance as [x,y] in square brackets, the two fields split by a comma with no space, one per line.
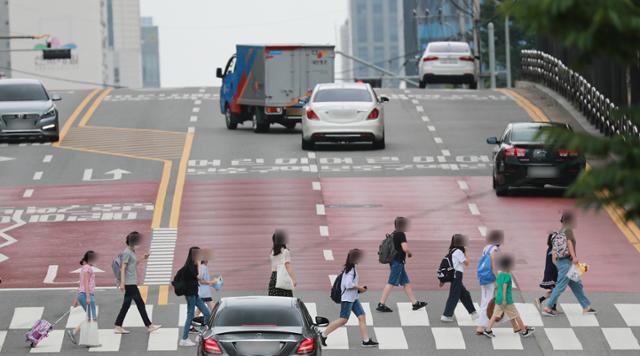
[38,175]
[316,186]
[463,185]
[483,231]
[438,140]
[191,129]
[328,255]
[446,153]
[473,208]
[320,210]
[47,158]
[196,110]
[324,230]
[431,128]
[197,102]
[420,108]
[28,193]
[425,118]
[193,118]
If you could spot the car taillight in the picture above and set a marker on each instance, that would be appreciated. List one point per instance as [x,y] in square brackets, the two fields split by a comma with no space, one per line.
[211,346]
[567,153]
[311,115]
[467,58]
[429,58]
[374,114]
[307,346]
[272,110]
[515,152]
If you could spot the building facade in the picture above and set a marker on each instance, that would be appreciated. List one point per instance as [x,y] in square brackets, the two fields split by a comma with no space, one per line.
[124,44]
[150,53]
[5,45]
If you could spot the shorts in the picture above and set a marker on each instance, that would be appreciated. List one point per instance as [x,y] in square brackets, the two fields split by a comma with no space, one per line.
[207,299]
[509,309]
[398,275]
[347,307]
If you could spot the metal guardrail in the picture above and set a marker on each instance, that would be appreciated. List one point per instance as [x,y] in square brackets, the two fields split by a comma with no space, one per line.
[550,71]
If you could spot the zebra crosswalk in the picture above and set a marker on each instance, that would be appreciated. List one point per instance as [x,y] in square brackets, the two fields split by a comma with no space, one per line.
[458,335]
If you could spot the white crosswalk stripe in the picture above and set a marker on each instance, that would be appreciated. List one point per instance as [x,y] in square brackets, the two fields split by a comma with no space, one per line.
[410,317]
[53,343]
[576,317]
[391,338]
[563,339]
[164,339]
[621,339]
[529,314]
[338,340]
[353,320]
[448,338]
[77,315]
[630,313]
[25,317]
[133,319]
[463,317]
[506,339]
[109,341]
[161,250]
[3,336]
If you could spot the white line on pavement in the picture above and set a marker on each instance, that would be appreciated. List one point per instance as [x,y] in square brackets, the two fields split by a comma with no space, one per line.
[328,255]
[47,158]
[196,109]
[438,139]
[425,118]
[191,129]
[431,128]
[313,168]
[38,175]
[27,193]
[463,185]
[441,159]
[415,101]
[311,155]
[316,186]
[320,209]
[197,102]
[473,208]
[332,278]
[420,108]
[483,231]
[193,118]
[324,230]
[454,167]
[446,153]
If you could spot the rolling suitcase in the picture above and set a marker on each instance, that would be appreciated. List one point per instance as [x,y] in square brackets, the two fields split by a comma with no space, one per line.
[40,330]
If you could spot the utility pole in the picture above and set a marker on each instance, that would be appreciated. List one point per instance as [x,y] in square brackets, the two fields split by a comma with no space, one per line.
[476,40]
[507,49]
[492,56]
[461,23]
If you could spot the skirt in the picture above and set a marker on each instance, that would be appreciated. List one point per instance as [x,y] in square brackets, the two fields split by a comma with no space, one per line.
[550,274]
[277,292]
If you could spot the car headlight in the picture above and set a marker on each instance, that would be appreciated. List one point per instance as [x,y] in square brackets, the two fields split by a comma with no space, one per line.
[49,114]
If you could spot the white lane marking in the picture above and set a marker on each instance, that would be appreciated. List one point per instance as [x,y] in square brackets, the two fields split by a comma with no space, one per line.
[420,108]
[311,155]
[313,168]
[438,139]
[618,339]
[38,175]
[415,101]
[563,339]
[324,231]
[165,339]
[332,278]
[410,317]
[320,209]
[47,158]
[391,338]
[506,339]
[463,185]
[483,231]
[630,313]
[316,186]
[573,311]
[529,314]
[196,109]
[448,338]
[353,320]
[182,314]
[28,193]
[3,336]
[52,343]
[191,129]
[109,341]
[328,255]
[133,319]
[446,153]
[454,167]
[338,340]
[197,102]
[312,309]
[193,118]
[52,272]
[462,315]
[201,90]
[431,128]
[77,315]
[473,208]
[425,118]
[442,159]
[25,317]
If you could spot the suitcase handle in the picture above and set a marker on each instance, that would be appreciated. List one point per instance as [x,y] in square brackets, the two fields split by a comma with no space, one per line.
[61,317]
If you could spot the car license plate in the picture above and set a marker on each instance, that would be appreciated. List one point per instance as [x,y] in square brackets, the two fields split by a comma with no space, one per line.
[542,172]
[449,61]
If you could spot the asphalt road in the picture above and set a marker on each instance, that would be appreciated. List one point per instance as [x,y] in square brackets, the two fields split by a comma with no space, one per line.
[163,163]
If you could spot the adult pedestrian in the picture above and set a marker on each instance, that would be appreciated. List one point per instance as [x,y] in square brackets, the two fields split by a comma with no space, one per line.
[189,276]
[350,301]
[86,292]
[564,256]
[550,277]
[487,273]
[398,274]
[281,267]
[129,284]
[457,290]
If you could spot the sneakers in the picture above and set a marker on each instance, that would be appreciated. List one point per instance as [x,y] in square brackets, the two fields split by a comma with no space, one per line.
[186,343]
[120,330]
[474,316]
[489,333]
[369,343]
[549,312]
[193,330]
[446,319]
[385,309]
[528,331]
[151,328]
[419,305]
[72,336]
[589,311]
[323,340]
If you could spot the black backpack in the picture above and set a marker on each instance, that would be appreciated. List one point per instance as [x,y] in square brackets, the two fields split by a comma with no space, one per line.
[445,272]
[336,289]
[178,283]
[387,250]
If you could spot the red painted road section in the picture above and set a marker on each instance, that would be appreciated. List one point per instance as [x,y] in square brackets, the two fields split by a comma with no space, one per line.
[63,243]
[236,219]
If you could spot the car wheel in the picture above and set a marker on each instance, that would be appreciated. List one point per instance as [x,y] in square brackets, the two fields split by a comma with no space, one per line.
[308,145]
[422,84]
[232,124]
[380,144]
[55,138]
[501,190]
[473,84]
[259,123]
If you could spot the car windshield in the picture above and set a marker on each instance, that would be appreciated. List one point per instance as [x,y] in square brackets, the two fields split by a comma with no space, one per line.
[22,92]
[449,48]
[527,134]
[342,95]
[259,315]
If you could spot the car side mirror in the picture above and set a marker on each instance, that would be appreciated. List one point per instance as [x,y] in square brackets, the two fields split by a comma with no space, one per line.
[493,141]
[56,97]
[322,321]
[219,73]
[384,99]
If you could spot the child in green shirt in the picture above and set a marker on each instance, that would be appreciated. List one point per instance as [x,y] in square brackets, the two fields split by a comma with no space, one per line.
[504,301]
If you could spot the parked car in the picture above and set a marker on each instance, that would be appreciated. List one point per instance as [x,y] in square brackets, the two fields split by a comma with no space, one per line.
[261,326]
[447,63]
[344,112]
[521,159]
[27,111]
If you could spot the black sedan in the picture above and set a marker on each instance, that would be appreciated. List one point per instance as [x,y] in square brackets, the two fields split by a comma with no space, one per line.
[522,160]
[261,326]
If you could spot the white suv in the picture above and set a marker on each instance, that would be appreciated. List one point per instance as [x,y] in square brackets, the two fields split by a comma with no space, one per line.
[447,63]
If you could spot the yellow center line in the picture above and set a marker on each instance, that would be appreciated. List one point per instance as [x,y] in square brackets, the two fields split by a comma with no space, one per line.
[163,295]
[74,116]
[628,228]
[144,292]
[94,107]
[179,188]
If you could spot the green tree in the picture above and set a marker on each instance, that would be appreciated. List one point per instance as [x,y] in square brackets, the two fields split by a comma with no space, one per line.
[595,29]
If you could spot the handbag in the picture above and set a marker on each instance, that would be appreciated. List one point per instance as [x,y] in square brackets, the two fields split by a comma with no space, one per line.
[89,331]
[575,273]
[283,279]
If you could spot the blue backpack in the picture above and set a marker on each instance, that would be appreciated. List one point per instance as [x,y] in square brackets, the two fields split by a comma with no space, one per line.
[485,274]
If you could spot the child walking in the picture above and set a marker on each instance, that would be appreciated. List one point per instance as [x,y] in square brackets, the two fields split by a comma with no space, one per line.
[504,301]
[457,291]
[550,277]
[487,276]
[86,291]
[204,288]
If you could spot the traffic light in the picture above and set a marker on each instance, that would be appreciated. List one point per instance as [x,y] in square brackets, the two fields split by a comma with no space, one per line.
[63,53]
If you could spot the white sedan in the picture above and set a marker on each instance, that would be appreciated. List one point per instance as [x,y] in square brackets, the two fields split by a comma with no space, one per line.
[343,112]
[447,63]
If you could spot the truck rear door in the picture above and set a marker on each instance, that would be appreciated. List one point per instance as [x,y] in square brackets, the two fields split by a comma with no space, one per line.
[281,72]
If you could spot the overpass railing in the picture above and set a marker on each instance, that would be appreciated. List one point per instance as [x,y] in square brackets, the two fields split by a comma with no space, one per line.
[545,69]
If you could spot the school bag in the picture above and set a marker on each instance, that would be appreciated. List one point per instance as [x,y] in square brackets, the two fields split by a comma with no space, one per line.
[559,244]
[336,288]
[40,330]
[178,283]
[387,250]
[445,272]
[484,272]
[116,264]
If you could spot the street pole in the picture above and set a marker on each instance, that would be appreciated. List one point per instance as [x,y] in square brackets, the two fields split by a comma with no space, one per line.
[492,56]
[462,27]
[476,40]
[507,49]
